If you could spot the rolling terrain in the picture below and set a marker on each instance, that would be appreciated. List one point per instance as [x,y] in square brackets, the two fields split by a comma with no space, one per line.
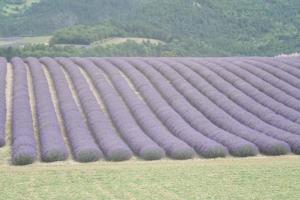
[60,113]
[189,28]
[150,108]
[149,99]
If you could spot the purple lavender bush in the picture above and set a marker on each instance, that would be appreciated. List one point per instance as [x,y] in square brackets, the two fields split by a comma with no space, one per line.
[23,140]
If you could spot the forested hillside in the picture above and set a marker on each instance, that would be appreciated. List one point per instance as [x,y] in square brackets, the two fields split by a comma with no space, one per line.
[189,27]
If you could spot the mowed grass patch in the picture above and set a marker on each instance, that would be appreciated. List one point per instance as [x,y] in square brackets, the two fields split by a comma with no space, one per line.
[10,9]
[120,40]
[268,178]
[21,41]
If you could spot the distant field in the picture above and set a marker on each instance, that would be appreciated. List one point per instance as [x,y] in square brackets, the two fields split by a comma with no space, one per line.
[113,41]
[267,178]
[20,41]
[117,40]
[10,9]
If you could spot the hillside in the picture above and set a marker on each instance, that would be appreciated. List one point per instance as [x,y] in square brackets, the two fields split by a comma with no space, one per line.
[196,27]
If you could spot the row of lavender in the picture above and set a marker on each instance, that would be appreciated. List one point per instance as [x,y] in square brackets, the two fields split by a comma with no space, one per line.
[157,107]
[3,72]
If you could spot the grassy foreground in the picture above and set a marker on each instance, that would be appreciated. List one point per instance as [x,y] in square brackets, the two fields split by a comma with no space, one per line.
[267,178]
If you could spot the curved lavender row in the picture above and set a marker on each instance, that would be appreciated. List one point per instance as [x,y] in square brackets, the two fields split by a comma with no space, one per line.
[261,85]
[277,106]
[203,145]
[139,142]
[3,71]
[239,97]
[210,89]
[268,78]
[82,143]
[266,144]
[281,80]
[236,145]
[255,94]
[293,62]
[53,147]
[111,144]
[281,70]
[174,147]
[23,140]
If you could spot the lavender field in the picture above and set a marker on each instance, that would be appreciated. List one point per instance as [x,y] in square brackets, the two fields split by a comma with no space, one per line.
[117,109]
